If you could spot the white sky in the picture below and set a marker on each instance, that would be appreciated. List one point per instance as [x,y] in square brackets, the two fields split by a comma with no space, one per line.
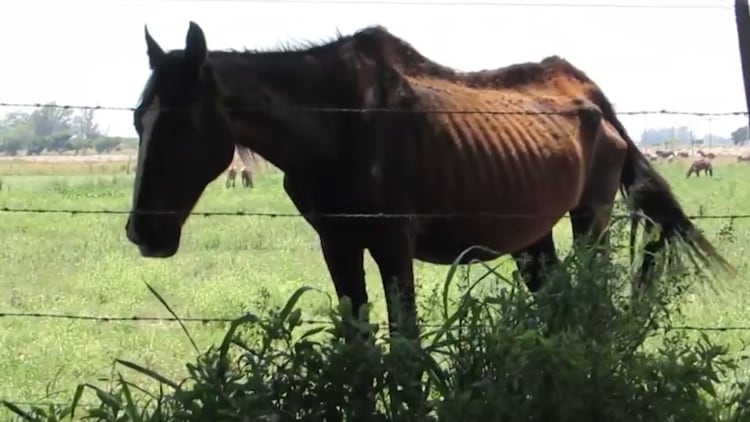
[93,52]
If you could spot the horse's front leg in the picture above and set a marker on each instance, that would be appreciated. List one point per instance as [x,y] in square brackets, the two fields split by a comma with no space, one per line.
[344,257]
[393,252]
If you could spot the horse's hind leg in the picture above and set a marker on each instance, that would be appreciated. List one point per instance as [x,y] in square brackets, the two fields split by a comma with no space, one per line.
[535,261]
[590,218]
[589,224]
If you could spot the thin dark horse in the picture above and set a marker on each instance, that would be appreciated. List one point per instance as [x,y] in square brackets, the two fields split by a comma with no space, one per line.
[701,164]
[561,149]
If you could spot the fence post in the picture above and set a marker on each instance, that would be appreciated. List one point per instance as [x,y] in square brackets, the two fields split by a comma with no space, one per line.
[742,15]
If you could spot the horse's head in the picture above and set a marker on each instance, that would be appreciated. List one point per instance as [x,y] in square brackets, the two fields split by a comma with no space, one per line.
[185,142]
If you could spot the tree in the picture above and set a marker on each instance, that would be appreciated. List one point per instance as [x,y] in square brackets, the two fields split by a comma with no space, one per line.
[15,138]
[740,136]
[85,130]
[46,121]
[84,126]
[15,133]
[105,145]
[15,118]
[54,129]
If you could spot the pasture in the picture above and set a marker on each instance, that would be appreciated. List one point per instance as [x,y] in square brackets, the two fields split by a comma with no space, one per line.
[83,265]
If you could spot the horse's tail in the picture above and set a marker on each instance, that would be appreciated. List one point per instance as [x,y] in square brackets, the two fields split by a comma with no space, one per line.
[648,193]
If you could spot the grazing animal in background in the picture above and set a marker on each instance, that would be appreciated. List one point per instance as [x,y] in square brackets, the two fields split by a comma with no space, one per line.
[663,153]
[701,164]
[709,155]
[741,158]
[651,157]
[247,157]
[247,177]
[683,154]
[231,176]
[571,155]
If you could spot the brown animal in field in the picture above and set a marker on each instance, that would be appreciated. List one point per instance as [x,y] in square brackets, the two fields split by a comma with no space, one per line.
[701,164]
[449,181]
[247,177]
[663,153]
[709,155]
[683,154]
[745,158]
[651,157]
[231,176]
[247,157]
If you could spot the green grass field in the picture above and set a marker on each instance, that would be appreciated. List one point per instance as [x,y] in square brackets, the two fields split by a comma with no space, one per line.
[82,264]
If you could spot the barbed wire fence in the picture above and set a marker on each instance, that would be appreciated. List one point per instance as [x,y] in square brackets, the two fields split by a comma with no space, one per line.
[410,110]
[108,319]
[207,320]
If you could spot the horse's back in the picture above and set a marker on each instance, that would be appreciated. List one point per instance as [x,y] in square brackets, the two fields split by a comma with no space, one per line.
[506,153]
[522,155]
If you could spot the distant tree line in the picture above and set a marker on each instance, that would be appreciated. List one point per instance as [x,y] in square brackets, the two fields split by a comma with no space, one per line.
[56,130]
[682,137]
[740,136]
[61,130]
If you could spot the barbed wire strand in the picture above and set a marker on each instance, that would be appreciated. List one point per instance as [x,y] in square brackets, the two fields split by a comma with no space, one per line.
[45,403]
[20,403]
[592,5]
[226,320]
[239,213]
[565,111]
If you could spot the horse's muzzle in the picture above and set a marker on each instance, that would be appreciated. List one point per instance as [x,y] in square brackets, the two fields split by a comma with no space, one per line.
[155,237]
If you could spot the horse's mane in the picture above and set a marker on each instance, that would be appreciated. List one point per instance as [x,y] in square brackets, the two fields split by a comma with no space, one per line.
[402,55]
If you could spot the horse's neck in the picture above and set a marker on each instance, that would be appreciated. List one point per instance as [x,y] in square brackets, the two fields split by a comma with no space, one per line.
[284,137]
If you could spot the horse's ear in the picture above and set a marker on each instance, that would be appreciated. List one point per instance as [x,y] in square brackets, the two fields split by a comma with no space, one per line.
[195,45]
[154,51]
